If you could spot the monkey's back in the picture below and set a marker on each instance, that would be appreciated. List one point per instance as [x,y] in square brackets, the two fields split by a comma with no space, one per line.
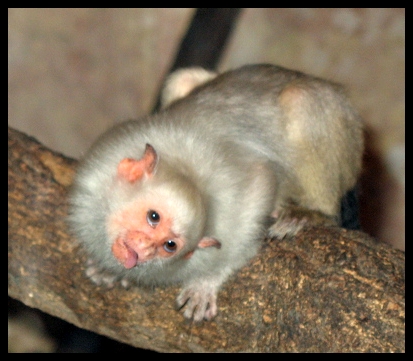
[256,111]
[278,113]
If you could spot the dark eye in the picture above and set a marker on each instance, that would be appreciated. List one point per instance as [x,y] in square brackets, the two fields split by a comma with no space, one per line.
[153,218]
[169,246]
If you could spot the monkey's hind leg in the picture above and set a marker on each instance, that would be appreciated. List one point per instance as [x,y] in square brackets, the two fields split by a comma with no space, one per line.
[308,199]
[291,219]
[309,195]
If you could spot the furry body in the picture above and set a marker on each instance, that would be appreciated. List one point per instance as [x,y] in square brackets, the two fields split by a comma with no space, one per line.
[229,152]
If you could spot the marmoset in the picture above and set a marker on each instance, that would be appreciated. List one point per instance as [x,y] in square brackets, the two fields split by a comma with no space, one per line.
[185,195]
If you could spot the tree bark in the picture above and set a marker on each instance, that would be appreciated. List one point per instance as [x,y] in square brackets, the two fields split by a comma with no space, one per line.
[327,290]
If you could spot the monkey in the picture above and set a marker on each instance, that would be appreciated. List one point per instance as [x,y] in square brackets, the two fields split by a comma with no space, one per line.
[186,195]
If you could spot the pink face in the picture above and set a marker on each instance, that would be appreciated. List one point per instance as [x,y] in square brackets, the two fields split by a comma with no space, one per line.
[141,234]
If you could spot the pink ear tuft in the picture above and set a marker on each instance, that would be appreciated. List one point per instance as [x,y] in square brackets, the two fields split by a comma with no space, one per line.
[133,169]
[209,242]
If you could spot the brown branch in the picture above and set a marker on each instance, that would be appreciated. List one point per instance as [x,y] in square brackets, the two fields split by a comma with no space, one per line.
[328,290]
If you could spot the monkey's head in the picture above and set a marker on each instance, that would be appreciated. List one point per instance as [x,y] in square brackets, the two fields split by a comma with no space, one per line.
[164,220]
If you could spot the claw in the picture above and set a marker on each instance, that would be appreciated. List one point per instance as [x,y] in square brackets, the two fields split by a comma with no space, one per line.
[199,301]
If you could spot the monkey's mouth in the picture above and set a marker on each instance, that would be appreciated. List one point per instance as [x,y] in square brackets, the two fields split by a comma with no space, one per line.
[125,254]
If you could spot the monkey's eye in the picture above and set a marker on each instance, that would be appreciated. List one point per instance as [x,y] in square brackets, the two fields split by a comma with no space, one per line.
[169,246]
[153,218]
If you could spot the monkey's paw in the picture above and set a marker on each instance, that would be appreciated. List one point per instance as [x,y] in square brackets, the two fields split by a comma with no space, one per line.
[101,277]
[291,220]
[199,300]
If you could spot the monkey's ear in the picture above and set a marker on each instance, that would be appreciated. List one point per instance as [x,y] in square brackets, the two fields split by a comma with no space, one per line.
[209,242]
[135,169]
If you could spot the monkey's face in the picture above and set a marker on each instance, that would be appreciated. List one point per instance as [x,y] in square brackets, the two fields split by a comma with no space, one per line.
[142,231]
[163,221]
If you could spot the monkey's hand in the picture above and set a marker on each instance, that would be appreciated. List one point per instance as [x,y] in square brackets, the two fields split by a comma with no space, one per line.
[200,300]
[292,219]
[101,277]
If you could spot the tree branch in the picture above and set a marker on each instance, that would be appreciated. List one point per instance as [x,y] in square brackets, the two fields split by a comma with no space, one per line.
[327,290]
